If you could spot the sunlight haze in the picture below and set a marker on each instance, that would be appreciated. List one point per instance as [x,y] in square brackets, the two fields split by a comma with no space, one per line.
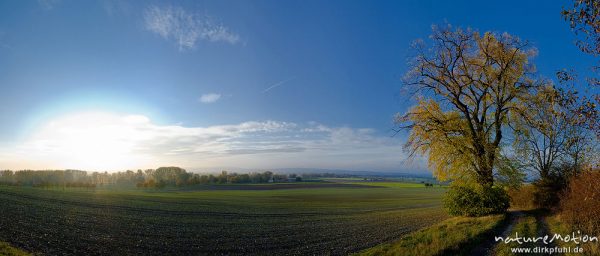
[121,85]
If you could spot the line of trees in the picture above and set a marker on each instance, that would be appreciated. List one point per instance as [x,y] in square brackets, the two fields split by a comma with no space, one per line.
[161,177]
[46,178]
[579,202]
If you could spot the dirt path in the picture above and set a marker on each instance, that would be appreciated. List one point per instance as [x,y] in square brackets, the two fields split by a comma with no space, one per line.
[543,229]
[487,248]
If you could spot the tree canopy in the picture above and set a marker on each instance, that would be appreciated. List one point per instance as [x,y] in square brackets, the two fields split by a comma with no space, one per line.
[584,18]
[467,84]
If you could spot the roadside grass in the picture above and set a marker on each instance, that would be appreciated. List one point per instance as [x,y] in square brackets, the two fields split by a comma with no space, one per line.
[556,226]
[525,227]
[7,250]
[455,236]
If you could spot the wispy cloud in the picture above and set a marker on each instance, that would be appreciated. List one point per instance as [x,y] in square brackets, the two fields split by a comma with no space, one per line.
[185,28]
[217,32]
[275,85]
[49,4]
[134,140]
[210,97]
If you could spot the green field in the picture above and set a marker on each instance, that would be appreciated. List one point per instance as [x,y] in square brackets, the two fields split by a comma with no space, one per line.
[307,218]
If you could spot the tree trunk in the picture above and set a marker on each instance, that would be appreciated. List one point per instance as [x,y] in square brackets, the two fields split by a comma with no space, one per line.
[486,178]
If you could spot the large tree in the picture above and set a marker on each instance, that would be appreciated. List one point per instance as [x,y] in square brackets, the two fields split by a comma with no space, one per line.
[467,85]
[584,18]
[545,130]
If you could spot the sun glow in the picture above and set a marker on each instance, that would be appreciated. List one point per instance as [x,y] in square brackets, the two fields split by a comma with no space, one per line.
[90,141]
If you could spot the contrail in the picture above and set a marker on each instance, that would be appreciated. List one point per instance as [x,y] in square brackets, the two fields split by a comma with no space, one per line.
[280,83]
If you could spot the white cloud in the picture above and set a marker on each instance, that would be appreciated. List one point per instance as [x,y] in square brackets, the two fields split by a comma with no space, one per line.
[100,141]
[186,29]
[209,97]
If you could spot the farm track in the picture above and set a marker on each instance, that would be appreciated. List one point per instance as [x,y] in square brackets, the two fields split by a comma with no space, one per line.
[487,248]
[491,248]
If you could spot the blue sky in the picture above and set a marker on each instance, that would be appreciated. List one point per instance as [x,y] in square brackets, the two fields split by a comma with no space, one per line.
[213,84]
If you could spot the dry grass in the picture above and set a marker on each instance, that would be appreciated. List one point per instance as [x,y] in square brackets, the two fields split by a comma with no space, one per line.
[7,250]
[558,226]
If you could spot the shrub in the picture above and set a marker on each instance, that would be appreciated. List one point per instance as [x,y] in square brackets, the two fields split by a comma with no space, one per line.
[476,200]
[522,198]
[546,192]
[580,203]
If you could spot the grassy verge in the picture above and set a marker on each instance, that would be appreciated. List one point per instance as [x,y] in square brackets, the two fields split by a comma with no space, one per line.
[556,226]
[525,227]
[454,236]
[6,249]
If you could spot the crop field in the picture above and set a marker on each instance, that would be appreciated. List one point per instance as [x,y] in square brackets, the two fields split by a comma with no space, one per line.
[312,218]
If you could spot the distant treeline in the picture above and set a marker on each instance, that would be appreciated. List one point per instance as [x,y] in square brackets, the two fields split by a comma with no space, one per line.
[161,177]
